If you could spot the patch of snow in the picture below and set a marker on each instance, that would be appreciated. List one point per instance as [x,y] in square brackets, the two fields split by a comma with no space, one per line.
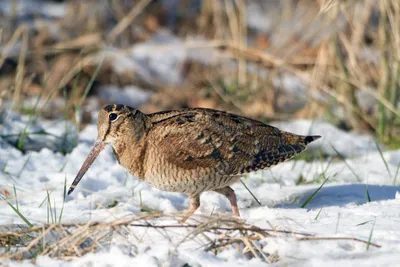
[395,158]
[34,7]
[161,59]
[55,135]
[366,100]
[340,208]
[128,95]
[262,16]
[292,84]
[346,143]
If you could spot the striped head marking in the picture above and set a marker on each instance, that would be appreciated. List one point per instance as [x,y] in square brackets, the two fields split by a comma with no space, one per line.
[114,121]
[116,124]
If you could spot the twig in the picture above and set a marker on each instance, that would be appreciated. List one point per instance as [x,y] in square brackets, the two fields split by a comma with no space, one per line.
[31,244]
[249,228]
[127,20]
[10,44]
[71,240]
[251,193]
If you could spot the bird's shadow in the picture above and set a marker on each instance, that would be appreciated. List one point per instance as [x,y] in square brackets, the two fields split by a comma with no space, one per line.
[341,195]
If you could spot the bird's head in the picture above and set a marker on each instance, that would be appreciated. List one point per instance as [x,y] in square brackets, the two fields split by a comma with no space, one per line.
[116,123]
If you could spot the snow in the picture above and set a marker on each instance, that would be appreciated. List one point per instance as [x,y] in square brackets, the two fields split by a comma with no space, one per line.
[55,135]
[161,59]
[34,7]
[128,95]
[340,209]
[347,144]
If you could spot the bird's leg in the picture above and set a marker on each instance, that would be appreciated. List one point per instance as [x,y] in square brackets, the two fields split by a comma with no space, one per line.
[194,205]
[231,196]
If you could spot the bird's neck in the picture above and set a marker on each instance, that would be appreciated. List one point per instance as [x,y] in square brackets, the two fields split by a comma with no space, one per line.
[130,153]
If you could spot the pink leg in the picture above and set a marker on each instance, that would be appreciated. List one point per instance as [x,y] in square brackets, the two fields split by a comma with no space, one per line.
[231,196]
[194,205]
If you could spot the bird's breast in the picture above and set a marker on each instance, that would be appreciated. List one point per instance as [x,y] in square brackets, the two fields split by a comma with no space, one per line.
[131,157]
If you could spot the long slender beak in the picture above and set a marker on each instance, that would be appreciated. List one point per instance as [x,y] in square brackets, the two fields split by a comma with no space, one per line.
[96,149]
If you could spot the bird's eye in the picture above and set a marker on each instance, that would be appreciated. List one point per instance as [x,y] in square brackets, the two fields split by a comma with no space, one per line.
[112,116]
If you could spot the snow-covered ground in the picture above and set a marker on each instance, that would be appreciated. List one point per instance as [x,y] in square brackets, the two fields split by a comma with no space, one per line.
[340,209]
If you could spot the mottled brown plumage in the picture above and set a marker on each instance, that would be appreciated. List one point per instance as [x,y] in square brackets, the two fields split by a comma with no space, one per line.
[191,150]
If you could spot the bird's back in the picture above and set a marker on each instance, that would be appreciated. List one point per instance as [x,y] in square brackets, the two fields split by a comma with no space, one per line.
[209,145]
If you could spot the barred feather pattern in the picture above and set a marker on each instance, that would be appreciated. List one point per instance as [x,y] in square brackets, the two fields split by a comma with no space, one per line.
[295,145]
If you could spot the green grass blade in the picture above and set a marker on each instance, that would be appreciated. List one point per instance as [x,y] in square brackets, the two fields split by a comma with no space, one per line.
[337,223]
[345,162]
[319,212]
[24,134]
[55,210]
[64,196]
[16,197]
[313,194]
[140,199]
[5,166]
[19,213]
[63,166]
[363,223]
[397,172]
[251,193]
[65,188]
[49,206]
[89,85]
[43,201]
[384,161]
[25,163]
[370,235]
[367,193]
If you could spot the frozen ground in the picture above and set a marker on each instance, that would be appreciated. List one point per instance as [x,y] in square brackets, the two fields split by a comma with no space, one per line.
[340,209]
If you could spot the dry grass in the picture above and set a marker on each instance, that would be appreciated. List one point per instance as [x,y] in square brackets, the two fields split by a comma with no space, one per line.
[337,66]
[215,234]
[332,59]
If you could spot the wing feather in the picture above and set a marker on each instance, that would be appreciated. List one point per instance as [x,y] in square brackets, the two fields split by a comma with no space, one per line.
[213,140]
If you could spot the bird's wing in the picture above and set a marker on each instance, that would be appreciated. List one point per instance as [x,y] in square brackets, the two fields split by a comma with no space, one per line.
[216,141]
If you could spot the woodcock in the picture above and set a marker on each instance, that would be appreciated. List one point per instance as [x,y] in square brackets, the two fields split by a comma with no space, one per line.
[191,150]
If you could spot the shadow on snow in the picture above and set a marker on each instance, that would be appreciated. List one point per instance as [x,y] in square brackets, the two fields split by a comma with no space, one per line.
[341,195]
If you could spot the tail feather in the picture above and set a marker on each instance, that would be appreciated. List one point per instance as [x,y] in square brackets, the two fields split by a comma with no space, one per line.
[266,159]
[294,145]
[309,138]
[294,139]
[286,152]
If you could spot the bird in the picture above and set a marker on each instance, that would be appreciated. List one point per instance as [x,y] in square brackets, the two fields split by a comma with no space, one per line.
[191,150]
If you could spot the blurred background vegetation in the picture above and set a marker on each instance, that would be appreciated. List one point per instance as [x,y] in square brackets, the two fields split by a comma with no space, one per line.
[332,60]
